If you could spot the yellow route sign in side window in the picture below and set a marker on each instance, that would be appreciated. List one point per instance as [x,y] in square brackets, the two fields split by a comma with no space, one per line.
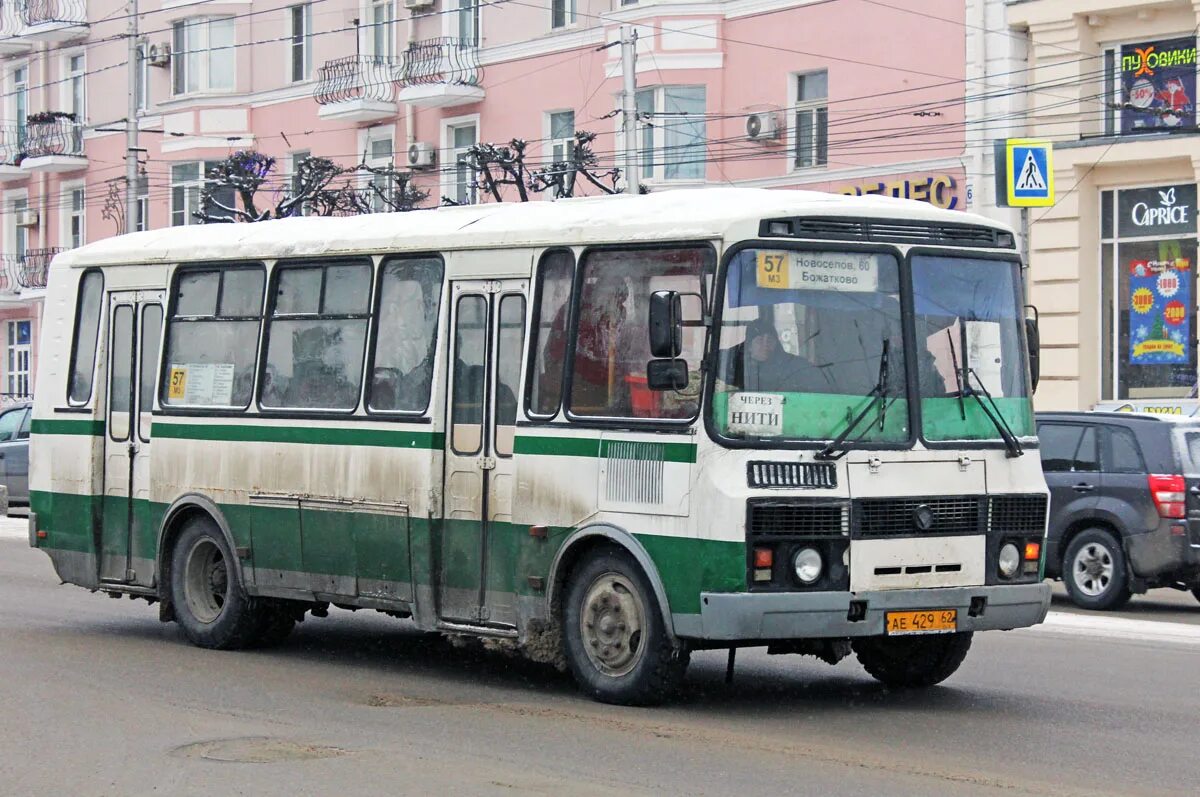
[178,387]
[773,269]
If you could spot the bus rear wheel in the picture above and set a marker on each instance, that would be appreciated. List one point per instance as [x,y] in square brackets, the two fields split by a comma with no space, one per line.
[912,662]
[210,605]
[617,644]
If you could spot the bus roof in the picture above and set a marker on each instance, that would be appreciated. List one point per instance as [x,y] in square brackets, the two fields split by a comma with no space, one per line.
[685,214]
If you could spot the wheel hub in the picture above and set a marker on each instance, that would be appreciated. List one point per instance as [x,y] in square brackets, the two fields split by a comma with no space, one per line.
[611,624]
[1094,569]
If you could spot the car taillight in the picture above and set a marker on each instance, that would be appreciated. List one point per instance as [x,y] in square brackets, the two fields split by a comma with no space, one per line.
[1168,494]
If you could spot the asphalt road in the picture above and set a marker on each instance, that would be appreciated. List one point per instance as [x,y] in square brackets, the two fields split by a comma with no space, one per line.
[98,698]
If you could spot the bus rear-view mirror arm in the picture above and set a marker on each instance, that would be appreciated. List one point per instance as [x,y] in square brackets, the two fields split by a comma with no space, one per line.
[1033,339]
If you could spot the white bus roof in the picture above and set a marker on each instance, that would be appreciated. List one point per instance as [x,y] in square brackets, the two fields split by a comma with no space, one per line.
[685,214]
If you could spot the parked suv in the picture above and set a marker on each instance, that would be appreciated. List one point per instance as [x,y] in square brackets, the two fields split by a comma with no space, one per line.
[1124,503]
[14,451]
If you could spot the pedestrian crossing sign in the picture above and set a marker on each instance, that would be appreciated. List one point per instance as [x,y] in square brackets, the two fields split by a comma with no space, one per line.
[1028,173]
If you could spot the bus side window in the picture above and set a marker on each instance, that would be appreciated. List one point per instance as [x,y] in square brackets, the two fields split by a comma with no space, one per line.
[612,346]
[212,338]
[316,336]
[87,331]
[405,336]
[548,335]
[508,370]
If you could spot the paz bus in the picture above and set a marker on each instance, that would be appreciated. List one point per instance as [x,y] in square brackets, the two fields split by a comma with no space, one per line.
[606,431]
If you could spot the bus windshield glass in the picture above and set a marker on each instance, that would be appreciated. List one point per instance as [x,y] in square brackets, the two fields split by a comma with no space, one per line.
[811,348]
[970,326]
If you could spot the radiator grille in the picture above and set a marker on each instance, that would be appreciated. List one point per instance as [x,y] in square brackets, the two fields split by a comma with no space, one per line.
[1018,514]
[896,517]
[808,519]
[791,474]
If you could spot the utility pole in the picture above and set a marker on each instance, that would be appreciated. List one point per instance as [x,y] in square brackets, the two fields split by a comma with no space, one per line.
[633,176]
[131,123]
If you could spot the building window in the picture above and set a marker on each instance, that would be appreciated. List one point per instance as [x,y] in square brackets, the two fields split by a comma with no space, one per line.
[461,138]
[562,136]
[74,209]
[187,181]
[301,42]
[562,13]
[18,357]
[141,86]
[673,139]
[1152,86]
[379,155]
[20,234]
[143,205]
[204,55]
[20,100]
[1148,288]
[383,17]
[469,21]
[75,89]
[295,183]
[812,120]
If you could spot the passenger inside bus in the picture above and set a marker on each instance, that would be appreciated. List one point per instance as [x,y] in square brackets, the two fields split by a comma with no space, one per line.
[761,363]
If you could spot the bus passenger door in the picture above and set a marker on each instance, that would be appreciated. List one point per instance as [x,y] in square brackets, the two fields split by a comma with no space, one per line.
[477,494]
[128,532]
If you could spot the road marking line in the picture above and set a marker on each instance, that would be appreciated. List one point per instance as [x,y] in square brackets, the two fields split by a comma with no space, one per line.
[1123,628]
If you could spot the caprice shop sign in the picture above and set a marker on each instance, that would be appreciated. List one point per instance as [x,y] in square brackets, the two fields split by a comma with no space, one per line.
[1168,209]
[940,190]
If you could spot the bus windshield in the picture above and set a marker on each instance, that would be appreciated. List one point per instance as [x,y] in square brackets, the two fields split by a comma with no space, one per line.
[810,344]
[969,323]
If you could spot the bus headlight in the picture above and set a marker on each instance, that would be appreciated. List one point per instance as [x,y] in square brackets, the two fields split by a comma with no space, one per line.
[808,565]
[1009,560]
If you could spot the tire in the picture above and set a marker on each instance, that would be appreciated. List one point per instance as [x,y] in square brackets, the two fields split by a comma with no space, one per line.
[1095,572]
[912,662]
[210,605]
[276,622]
[617,645]
[1196,593]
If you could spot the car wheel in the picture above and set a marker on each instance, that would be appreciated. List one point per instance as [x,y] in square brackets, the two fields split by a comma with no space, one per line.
[1196,593]
[210,605]
[617,644]
[1095,571]
[912,662]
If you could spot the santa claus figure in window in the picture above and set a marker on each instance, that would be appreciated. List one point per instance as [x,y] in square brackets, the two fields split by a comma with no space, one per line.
[1174,103]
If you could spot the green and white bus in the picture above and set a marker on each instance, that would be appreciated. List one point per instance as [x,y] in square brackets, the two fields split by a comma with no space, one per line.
[611,431]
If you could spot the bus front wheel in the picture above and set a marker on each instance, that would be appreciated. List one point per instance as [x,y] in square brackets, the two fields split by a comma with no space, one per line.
[210,605]
[617,644]
[912,662]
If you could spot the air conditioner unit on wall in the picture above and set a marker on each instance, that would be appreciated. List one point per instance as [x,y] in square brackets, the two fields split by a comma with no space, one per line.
[422,155]
[762,127]
[413,5]
[158,54]
[27,218]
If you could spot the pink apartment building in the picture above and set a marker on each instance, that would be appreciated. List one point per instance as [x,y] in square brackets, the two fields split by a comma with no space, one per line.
[846,95]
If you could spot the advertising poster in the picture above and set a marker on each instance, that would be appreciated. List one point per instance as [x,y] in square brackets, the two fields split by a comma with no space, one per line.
[1160,308]
[1158,85]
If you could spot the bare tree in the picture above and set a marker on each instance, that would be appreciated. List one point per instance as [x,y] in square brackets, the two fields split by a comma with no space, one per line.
[388,190]
[562,177]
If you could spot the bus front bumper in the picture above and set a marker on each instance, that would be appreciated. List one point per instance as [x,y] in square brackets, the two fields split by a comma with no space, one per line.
[815,615]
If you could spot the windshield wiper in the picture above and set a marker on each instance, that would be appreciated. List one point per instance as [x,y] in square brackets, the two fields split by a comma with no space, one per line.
[837,447]
[1011,443]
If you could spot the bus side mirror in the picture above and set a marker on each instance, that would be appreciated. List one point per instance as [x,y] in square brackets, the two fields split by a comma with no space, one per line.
[666,324]
[1034,341]
[666,374]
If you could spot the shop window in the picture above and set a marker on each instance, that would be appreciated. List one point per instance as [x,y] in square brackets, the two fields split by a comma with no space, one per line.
[612,347]
[1153,86]
[1148,270]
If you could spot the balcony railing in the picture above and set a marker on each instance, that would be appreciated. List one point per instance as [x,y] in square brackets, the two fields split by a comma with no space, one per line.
[56,135]
[12,145]
[28,270]
[446,61]
[42,12]
[357,77]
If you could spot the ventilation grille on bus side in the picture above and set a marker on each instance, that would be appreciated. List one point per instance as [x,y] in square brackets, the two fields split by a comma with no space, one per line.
[887,231]
[791,474]
[634,472]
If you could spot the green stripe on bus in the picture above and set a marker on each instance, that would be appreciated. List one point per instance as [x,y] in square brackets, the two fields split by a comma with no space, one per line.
[86,428]
[590,447]
[315,435]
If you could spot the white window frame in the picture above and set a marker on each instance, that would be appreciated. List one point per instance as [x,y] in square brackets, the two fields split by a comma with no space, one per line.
[555,146]
[654,134]
[18,104]
[373,35]
[67,91]
[294,159]
[142,86]
[203,54]
[142,222]
[379,136]
[12,233]
[795,106]
[452,26]
[569,10]
[69,215]
[189,186]
[450,183]
[304,43]
[18,380]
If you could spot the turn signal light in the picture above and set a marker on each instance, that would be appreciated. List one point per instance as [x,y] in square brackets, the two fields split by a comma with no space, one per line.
[1169,495]
[41,535]
[764,557]
[1033,550]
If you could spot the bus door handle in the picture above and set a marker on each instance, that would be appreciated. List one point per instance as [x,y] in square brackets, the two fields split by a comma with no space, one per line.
[133,449]
[1084,487]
